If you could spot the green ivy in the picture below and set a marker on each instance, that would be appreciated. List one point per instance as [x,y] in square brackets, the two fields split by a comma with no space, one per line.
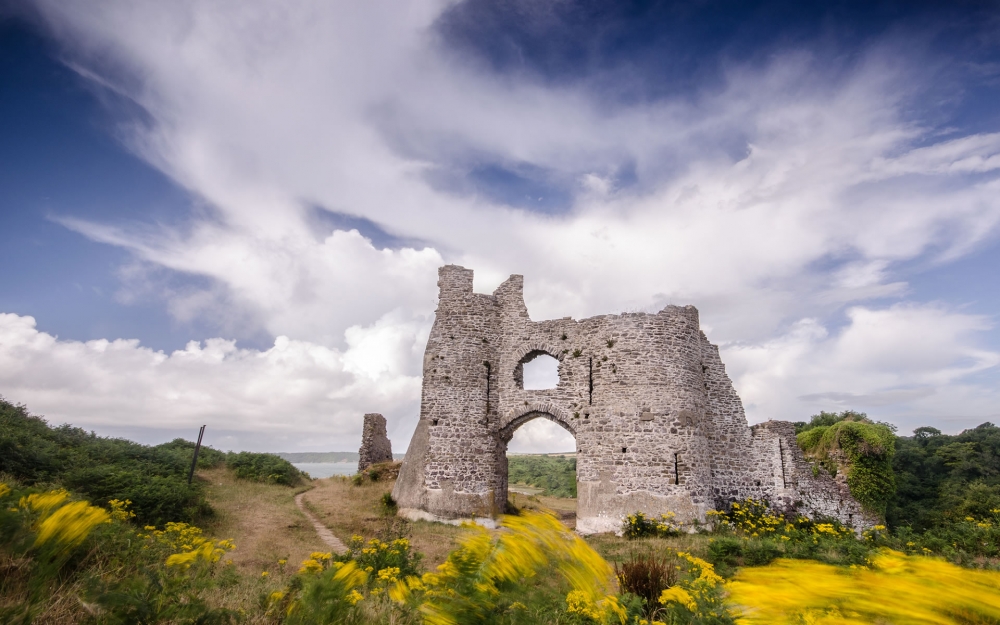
[866,450]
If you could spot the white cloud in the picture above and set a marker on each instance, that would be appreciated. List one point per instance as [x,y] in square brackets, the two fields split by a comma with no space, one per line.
[306,395]
[541,436]
[905,363]
[359,109]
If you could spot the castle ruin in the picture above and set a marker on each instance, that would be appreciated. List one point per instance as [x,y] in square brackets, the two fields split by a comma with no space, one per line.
[658,425]
[375,444]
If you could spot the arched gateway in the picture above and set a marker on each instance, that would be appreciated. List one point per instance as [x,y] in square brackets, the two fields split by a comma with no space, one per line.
[658,425]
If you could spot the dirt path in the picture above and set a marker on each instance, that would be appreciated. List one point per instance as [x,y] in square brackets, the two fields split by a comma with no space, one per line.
[336,545]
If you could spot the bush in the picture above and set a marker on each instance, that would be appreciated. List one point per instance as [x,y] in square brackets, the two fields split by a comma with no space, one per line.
[638,525]
[101,469]
[865,448]
[761,552]
[263,468]
[208,458]
[726,552]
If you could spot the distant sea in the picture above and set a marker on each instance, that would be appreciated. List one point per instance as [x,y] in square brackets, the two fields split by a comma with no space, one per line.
[326,469]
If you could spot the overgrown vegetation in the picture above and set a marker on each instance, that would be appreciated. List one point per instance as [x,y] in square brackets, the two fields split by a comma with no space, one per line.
[851,441]
[263,468]
[152,478]
[555,475]
[942,479]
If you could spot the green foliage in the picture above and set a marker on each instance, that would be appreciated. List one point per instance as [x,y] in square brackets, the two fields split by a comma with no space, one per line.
[556,475]
[639,525]
[208,458]
[153,478]
[865,447]
[270,468]
[750,534]
[389,506]
[943,478]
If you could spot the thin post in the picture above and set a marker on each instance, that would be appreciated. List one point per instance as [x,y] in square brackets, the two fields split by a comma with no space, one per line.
[197,447]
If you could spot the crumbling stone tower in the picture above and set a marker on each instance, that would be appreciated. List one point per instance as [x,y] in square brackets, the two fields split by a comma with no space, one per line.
[375,445]
[658,425]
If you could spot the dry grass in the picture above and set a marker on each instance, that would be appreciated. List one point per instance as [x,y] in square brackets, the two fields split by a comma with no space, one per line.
[618,549]
[267,526]
[349,510]
[261,518]
[563,507]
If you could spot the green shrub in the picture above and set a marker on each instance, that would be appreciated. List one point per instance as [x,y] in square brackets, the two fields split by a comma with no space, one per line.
[101,469]
[208,458]
[867,450]
[263,468]
[389,506]
[761,552]
[638,525]
[726,552]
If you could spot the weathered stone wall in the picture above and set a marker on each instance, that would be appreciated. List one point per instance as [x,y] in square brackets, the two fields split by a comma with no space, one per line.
[658,424]
[375,445]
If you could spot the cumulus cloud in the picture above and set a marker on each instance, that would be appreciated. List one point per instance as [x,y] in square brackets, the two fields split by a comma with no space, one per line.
[790,191]
[909,364]
[296,395]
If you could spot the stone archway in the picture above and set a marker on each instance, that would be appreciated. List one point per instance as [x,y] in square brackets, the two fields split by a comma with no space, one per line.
[506,433]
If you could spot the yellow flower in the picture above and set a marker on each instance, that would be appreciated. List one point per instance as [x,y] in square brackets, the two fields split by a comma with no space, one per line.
[354,597]
[69,524]
[896,589]
[264,574]
[388,574]
[678,595]
[119,510]
[43,502]
[4,489]
[310,566]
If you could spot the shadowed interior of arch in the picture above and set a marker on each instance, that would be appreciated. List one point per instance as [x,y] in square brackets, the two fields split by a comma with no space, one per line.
[540,371]
[541,465]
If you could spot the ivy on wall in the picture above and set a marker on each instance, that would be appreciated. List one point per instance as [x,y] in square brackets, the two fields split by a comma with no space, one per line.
[858,446]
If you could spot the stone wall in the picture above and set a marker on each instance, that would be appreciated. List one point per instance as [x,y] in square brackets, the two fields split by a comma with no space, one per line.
[375,445]
[658,424]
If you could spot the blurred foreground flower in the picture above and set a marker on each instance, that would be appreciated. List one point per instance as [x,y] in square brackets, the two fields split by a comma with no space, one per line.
[897,589]
[464,590]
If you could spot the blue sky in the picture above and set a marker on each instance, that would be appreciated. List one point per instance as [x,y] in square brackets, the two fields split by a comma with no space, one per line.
[233,214]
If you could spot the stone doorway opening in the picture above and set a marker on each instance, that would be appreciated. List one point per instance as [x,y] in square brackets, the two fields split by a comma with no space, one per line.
[540,456]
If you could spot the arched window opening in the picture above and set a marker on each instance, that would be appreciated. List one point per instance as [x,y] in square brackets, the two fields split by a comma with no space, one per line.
[540,371]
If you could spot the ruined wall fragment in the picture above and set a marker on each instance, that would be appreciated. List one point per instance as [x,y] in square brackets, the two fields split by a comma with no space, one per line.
[375,444]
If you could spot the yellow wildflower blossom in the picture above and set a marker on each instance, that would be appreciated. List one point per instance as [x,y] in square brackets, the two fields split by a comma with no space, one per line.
[310,566]
[43,502]
[677,594]
[120,511]
[896,589]
[69,524]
